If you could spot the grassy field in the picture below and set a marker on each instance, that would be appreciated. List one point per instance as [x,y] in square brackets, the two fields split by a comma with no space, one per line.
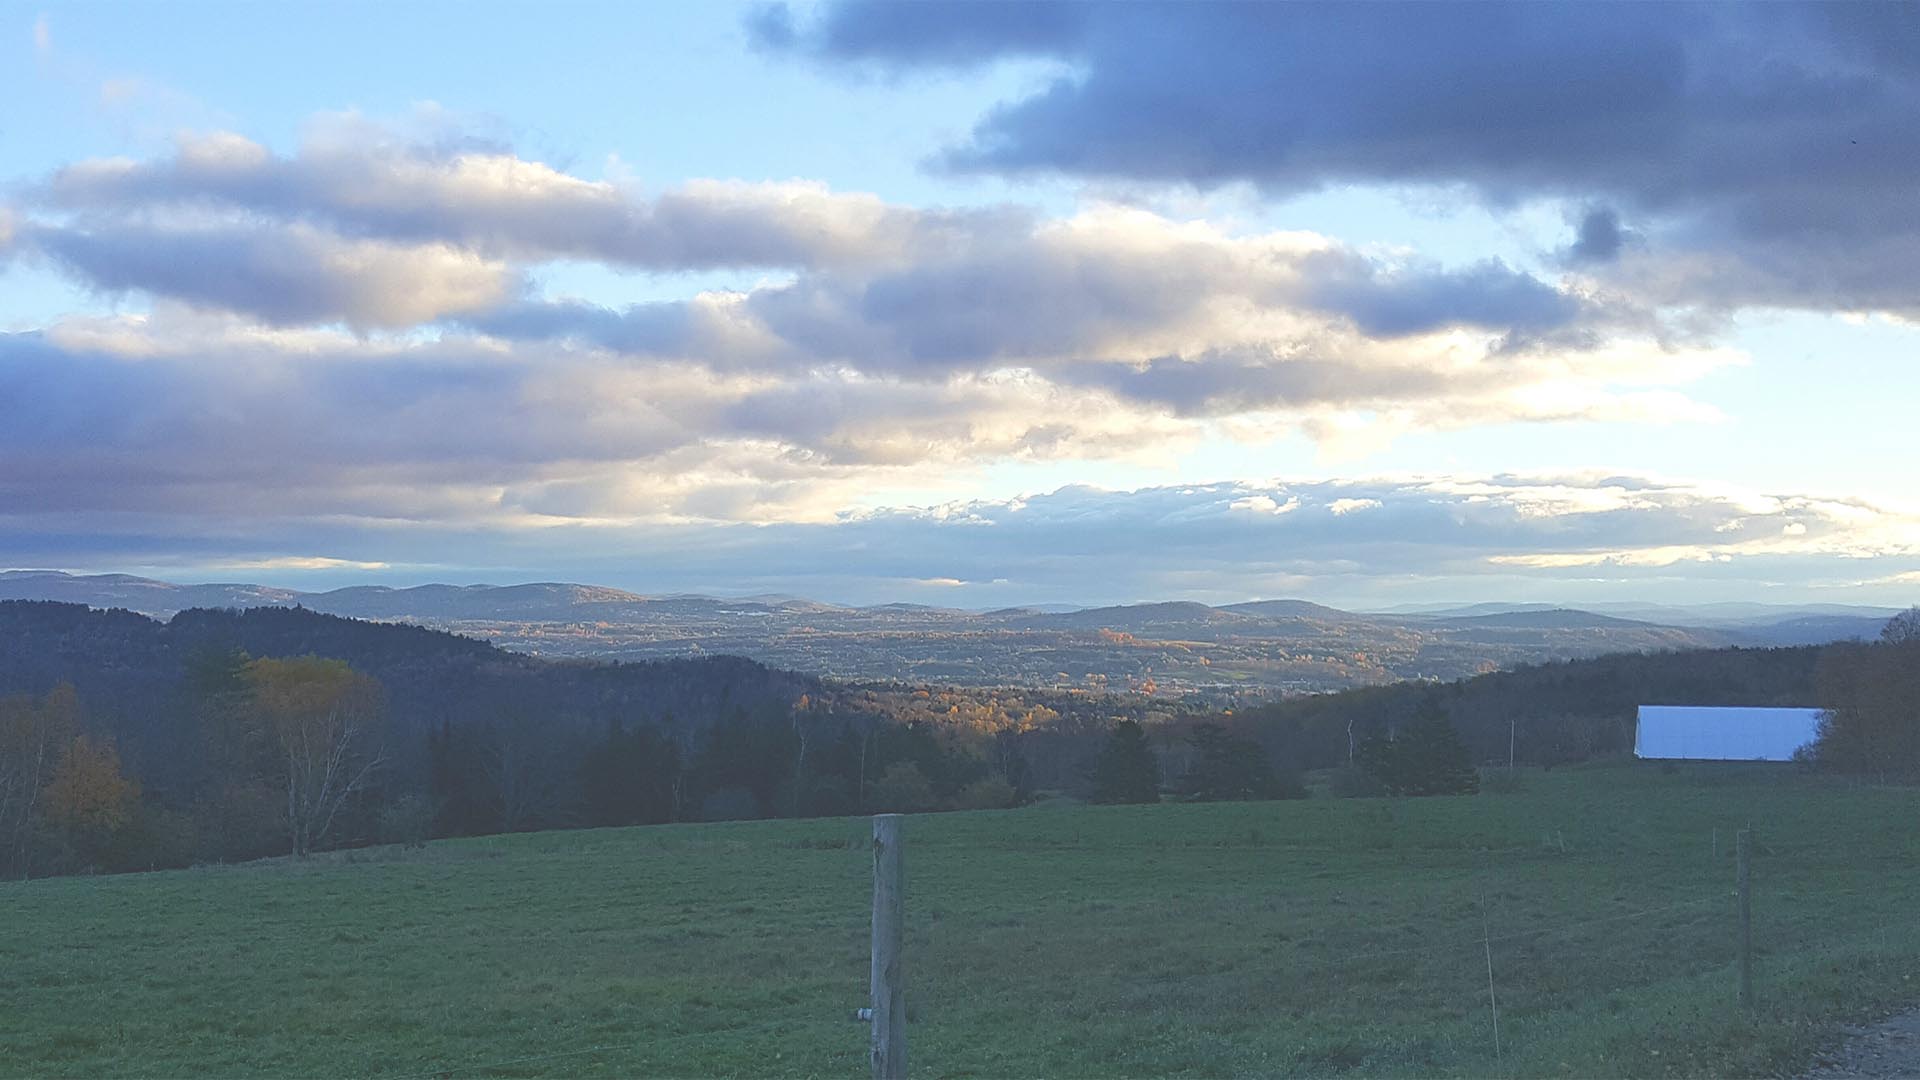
[1319,937]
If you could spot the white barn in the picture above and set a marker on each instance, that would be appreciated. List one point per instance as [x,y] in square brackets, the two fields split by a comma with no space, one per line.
[1715,733]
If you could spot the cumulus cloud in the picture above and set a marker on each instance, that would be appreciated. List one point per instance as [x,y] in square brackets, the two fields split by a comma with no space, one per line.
[1169,315]
[376,228]
[1769,148]
[365,180]
[936,285]
[1128,309]
[185,412]
[285,275]
[214,415]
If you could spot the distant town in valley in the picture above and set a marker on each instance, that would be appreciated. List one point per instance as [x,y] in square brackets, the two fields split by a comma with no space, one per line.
[1244,653]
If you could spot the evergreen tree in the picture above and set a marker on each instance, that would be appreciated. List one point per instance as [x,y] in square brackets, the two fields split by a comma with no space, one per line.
[751,753]
[456,781]
[627,779]
[1427,759]
[1439,762]
[1378,756]
[1127,771]
[1228,768]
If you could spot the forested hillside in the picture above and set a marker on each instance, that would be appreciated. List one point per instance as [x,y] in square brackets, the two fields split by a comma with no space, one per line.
[126,742]
[140,680]
[218,735]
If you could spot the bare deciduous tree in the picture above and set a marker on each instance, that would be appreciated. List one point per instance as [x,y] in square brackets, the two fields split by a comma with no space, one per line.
[32,736]
[326,722]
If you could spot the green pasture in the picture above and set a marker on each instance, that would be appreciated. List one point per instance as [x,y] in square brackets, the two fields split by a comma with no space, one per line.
[1322,937]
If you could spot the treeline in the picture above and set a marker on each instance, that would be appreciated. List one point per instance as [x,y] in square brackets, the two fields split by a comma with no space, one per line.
[1871,694]
[1211,763]
[1417,738]
[127,743]
[1221,768]
[1544,714]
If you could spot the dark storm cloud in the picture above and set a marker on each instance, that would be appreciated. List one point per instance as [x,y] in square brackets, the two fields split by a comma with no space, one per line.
[1599,238]
[938,33]
[1782,137]
[1296,95]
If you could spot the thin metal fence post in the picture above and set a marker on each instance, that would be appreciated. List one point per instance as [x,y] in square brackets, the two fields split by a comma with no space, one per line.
[1743,849]
[888,1049]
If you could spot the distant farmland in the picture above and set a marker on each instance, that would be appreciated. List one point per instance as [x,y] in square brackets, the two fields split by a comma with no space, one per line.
[1317,937]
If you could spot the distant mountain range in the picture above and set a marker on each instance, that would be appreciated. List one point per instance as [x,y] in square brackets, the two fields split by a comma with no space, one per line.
[1226,652]
[1729,613]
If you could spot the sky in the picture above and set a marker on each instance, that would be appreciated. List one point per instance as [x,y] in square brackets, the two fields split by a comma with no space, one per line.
[967,304]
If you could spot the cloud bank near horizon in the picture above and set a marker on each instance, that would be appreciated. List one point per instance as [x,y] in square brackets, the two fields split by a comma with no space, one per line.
[1375,541]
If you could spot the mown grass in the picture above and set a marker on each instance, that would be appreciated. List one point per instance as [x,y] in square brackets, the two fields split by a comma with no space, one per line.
[1322,937]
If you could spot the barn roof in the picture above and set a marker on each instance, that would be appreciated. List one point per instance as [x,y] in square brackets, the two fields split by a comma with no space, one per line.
[1721,733]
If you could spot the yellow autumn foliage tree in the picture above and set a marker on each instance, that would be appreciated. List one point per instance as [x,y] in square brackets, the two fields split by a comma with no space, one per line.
[89,796]
[325,722]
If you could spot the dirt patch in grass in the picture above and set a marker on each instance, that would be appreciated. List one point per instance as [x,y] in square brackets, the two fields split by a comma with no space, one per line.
[1889,1048]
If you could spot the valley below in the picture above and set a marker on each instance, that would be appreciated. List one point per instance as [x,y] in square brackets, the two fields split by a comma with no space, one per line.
[1219,655]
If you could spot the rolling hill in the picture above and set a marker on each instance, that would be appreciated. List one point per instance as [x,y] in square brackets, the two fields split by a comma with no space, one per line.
[1224,653]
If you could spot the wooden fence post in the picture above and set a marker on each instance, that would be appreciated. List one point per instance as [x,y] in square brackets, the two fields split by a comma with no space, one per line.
[888,1049]
[1743,849]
